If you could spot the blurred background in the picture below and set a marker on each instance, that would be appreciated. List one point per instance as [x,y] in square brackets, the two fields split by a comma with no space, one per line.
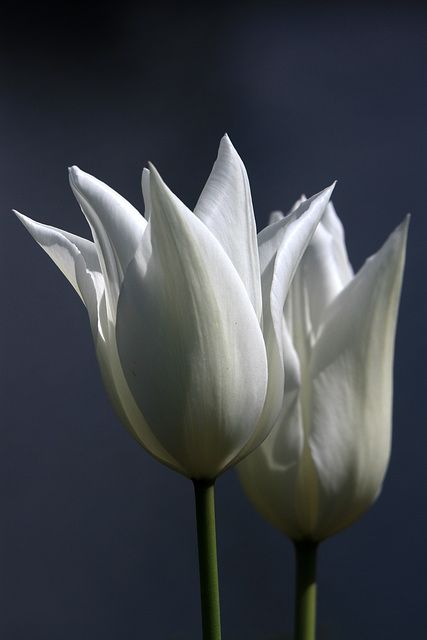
[98,540]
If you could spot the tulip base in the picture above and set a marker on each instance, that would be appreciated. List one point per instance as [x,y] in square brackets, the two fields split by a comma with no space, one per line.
[208,565]
[305,590]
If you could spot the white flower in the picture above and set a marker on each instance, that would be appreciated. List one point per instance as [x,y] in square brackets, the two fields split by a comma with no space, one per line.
[175,306]
[324,462]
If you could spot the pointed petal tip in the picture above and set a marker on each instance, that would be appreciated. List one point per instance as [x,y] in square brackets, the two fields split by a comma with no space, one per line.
[73,170]
[24,219]
[75,176]
[226,145]
[323,196]
[145,182]
[228,159]
[325,193]
[330,189]
[36,229]
[157,184]
[402,229]
[321,199]
[155,177]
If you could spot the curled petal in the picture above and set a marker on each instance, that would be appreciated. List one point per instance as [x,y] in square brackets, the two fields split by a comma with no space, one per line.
[117,228]
[76,257]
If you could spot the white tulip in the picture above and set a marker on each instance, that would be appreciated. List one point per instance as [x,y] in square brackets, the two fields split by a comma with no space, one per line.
[175,306]
[324,462]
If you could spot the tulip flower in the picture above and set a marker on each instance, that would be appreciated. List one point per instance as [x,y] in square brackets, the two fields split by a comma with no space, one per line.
[175,307]
[174,302]
[324,462]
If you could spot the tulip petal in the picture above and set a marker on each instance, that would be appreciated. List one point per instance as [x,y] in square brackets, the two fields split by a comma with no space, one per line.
[189,340]
[117,228]
[281,246]
[351,399]
[145,185]
[269,474]
[296,230]
[318,281]
[225,207]
[334,227]
[76,257]
[121,397]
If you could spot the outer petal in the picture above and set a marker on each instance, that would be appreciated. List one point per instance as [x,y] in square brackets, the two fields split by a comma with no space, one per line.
[117,228]
[76,257]
[186,328]
[225,207]
[121,397]
[352,372]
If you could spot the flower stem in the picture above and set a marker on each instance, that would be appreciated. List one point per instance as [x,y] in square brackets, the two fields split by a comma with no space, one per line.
[208,566]
[305,590]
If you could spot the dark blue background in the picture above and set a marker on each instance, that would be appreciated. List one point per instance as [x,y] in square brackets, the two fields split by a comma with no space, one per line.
[97,539]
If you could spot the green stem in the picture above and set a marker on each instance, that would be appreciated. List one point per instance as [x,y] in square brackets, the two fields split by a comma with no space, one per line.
[305,590]
[208,566]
